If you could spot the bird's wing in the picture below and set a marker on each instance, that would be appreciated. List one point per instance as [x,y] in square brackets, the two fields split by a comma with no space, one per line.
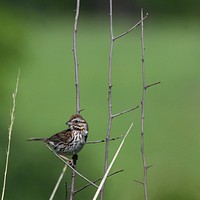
[64,136]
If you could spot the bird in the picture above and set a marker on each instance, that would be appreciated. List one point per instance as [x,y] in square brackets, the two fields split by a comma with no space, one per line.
[69,141]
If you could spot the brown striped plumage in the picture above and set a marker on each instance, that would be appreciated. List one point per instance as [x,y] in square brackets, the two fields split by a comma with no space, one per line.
[69,141]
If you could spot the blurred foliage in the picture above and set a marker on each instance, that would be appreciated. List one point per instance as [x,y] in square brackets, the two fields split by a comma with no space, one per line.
[46,96]
[128,6]
[12,35]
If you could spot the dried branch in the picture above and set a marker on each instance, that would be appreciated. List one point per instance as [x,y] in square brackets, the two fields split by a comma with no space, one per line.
[82,188]
[124,112]
[142,111]
[150,85]
[109,97]
[12,119]
[100,141]
[139,182]
[58,183]
[111,164]
[74,158]
[131,29]
[77,88]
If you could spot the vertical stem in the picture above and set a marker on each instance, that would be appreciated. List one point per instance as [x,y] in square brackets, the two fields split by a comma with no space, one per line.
[143,111]
[109,96]
[12,119]
[76,58]
[75,157]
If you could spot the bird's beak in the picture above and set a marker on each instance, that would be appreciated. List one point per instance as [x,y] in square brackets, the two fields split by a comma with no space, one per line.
[68,123]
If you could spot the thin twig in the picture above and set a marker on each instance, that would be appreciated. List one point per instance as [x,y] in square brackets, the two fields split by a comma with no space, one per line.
[150,85]
[142,111]
[76,58]
[82,188]
[123,112]
[111,164]
[149,166]
[12,119]
[58,183]
[109,96]
[100,141]
[139,182]
[131,29]
[83,177]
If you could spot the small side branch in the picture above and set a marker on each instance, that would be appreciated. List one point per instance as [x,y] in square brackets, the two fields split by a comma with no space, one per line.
[131,29]
[153,84]
[101,141]
[82,188]
[124,112]
[12,119]
[140,182]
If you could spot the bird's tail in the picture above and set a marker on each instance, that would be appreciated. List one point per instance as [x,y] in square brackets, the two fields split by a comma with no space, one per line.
[36,139]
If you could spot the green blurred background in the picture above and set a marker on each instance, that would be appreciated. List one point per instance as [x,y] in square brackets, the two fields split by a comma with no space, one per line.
[36,36]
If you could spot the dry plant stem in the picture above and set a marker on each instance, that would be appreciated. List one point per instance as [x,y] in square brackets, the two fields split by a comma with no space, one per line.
[76,58]
[58,183]
[111,164]
[12,119]
[77,87]
[82,188]
[74,158]
[109,96]
[142,112]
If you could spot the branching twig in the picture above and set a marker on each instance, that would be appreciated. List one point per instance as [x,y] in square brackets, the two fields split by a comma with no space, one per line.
[139,182]
[123,112]
[150,85]
[111,164]
[100,141]
[58,183]
[111,116]
[82,188]
[131,29]
[12,119]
